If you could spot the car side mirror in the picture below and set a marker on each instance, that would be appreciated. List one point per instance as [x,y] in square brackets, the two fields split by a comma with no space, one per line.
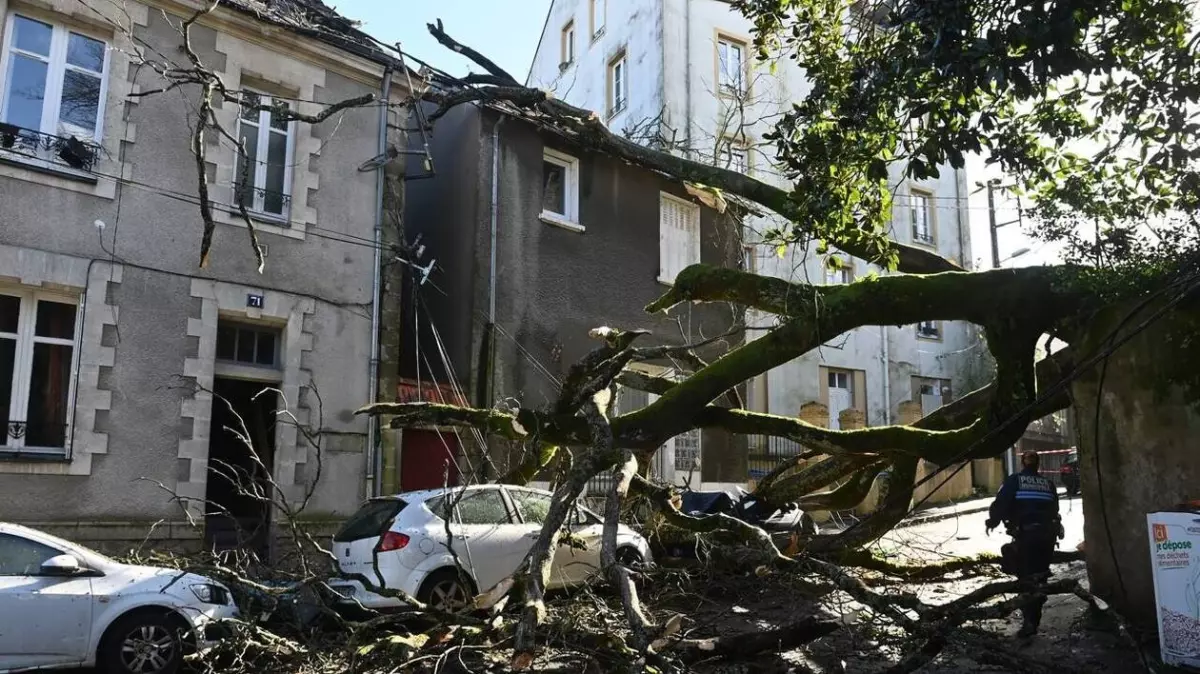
[61,565]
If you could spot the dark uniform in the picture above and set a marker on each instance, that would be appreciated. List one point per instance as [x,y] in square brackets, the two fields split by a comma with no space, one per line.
[1027,503]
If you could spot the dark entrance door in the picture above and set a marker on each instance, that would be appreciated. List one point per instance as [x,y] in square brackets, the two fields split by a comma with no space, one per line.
[238,509]
[427,460]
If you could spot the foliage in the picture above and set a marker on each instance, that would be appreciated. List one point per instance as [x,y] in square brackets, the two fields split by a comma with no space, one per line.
[1091,105]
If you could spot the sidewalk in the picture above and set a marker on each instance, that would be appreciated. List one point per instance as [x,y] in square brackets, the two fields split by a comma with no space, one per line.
[965,507]
[946,511]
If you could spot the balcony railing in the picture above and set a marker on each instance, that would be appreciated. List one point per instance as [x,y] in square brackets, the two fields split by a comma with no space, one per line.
[273,204]
[69,151]
[922,235]
[25,435]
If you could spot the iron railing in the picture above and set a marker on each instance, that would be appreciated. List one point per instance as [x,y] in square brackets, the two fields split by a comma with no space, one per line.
[37,435]
[251,195]
[764,453]
[70,151]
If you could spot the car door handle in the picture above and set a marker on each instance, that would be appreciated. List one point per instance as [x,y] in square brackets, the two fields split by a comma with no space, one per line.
[462,537]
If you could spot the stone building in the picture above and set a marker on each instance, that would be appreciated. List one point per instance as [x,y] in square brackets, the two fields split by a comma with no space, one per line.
[117,349]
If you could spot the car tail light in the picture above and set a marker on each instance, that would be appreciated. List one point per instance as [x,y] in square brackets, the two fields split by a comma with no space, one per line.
[393,541]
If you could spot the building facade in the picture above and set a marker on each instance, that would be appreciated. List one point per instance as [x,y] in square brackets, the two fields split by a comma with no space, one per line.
[123,363]
[532,242]
[680,75]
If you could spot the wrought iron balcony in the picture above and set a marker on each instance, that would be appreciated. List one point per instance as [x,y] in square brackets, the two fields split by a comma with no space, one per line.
[253,197]
[70,151]
[24,434]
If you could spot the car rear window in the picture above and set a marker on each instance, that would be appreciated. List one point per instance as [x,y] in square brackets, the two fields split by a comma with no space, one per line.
[370,520]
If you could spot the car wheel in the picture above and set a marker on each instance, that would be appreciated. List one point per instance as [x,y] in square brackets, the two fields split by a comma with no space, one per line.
[445,590]
[630,558]
[147,642]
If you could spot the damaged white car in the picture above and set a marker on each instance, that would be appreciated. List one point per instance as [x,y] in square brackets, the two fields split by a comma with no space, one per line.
[63,605]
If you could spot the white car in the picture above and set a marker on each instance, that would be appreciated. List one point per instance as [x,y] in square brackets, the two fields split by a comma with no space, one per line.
[63,605]
[491,529]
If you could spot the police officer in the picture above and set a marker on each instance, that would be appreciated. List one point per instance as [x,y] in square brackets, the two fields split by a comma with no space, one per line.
[1027,503]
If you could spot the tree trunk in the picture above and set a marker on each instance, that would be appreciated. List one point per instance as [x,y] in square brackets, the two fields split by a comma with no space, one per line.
[1137,419]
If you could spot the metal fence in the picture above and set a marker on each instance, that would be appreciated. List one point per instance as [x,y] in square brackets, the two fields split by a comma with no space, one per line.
[764,453]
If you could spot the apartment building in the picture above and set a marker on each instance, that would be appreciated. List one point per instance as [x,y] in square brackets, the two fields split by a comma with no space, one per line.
[682,75]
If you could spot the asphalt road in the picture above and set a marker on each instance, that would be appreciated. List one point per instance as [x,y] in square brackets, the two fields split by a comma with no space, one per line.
[964,536]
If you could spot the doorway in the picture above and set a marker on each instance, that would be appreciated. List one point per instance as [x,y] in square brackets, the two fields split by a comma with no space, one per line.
[428,460]
[238,497]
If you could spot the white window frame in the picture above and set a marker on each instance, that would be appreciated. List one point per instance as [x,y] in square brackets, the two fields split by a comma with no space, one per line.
[724,87]
[618,84]
[925,197]
[257,208]
[735,156]
[570,165]
[667,276]
[596,19]
[55,73]
[23,370]
[568,45]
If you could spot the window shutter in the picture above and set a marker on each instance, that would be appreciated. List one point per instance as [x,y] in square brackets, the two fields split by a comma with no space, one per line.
[679,236]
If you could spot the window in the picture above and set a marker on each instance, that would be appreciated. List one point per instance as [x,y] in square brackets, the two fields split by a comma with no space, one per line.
[929,330]
[842,390]
[687,451]
[734,157]
[678,236]
[534,507]
[838,270]
[23,557]
[370,520]
[37,354]
[931,393]
[731,66]
[597,11]
[568,45]
[616,85]
[485,506]
[560,189]
[53,82]
[247,344]
[263,182]
[920,207]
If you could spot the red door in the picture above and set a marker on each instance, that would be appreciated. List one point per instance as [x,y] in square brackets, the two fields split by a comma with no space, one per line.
[427,460]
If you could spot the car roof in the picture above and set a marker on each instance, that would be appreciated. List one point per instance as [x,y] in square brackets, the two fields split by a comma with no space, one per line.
[426,494]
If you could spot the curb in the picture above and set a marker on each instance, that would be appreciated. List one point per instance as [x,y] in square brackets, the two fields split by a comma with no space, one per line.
[927,519]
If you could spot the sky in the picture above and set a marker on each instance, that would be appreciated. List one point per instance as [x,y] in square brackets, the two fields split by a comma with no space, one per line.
[505,31]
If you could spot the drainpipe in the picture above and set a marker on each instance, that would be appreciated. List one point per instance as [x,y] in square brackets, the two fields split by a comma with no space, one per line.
[374,457]
[488,367]
[687,74]
[887,375]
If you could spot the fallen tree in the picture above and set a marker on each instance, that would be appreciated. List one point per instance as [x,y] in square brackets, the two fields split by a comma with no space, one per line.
[1089,106]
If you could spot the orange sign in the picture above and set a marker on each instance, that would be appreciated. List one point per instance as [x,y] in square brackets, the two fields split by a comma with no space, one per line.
[1160,533]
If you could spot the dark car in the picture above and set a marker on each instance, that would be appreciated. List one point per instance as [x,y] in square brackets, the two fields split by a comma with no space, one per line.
[1069,473]
[781,523]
